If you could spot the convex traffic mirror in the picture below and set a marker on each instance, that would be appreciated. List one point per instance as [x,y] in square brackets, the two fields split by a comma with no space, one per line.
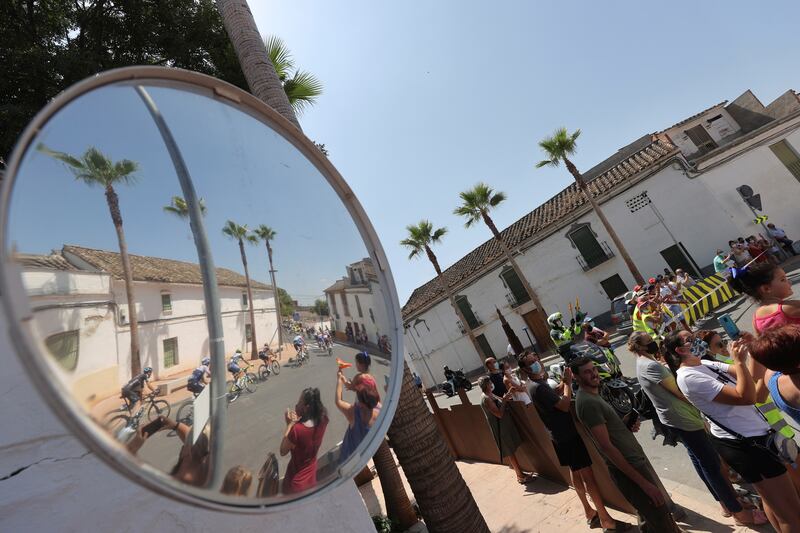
[196,292]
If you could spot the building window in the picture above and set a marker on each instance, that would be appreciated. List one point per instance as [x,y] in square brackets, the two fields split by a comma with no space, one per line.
[248,332]
[333,305]
[371,315]
[614,286]
[788,156]
[166,303]
[170,352]
[466,311]
[64,348]
[517,293]
[592,252]
[352,277]
[244,300]
[358,306]
[700,137]
[345,306]
[484,344]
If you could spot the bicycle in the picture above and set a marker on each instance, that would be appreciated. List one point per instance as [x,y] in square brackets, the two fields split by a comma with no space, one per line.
[245,381]
[269,366]
[185,414]
[131,421]
[302,356]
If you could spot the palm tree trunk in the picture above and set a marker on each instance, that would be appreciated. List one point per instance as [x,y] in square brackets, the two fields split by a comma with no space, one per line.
[277,296]
[398,506]
[444,499]
[253,343]
[252,53]
[459,314]
[116,217]
[613,234]
[528,288]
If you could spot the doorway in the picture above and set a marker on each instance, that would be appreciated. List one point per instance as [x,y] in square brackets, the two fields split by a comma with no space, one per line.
[677,257]
[537,324]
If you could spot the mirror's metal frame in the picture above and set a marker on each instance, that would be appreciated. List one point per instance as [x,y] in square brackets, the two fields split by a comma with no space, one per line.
[17,308]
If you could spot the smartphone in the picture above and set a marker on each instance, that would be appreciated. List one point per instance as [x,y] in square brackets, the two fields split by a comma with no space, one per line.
[152,427]
[729,326]
[633,417]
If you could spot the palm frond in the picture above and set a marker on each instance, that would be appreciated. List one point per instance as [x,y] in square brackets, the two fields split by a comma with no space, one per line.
[64,157]
[547,162]
[497,199]
[265,233]
[438,234]
[280,56]
[234,230]
[252,238]
[302,89]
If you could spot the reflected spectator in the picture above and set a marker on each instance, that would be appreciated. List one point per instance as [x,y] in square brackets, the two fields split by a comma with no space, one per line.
[778,349]
[683,278]
[496,376]
[553,407]
[759,254]
[503,429]
[739,252]
[779,235]
[768,285]
[193,459]
[722,261]
[360,415]
[305,427]
[237,481]
[628,465]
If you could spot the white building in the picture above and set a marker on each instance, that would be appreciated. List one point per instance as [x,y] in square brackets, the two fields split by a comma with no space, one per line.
[357,302]
[82,315]
[680,182]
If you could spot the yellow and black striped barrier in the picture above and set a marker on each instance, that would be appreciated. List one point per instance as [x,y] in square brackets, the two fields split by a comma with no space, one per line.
[705,296]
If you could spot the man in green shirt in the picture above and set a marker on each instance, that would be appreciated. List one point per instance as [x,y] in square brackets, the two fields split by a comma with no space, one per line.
[628,465]
[721,261]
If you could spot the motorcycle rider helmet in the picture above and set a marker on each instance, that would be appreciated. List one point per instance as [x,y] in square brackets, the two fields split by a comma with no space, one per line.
[555,317]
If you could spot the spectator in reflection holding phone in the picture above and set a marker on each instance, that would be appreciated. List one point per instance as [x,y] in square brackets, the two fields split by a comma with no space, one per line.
[628,465]
[305,428]
[360,415]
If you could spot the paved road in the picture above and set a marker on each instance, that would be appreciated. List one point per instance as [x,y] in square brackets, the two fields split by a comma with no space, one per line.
[256,421]
[670,462]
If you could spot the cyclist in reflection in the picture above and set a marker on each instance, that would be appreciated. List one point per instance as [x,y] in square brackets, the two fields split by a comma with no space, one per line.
[305,428]
[132,391]
[235,369]
[200,377]
[298,342]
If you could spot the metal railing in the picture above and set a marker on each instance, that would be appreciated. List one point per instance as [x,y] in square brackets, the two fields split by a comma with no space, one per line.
[590,263]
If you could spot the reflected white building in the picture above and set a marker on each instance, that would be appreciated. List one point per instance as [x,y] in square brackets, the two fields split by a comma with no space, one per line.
[81,312]
[356,303]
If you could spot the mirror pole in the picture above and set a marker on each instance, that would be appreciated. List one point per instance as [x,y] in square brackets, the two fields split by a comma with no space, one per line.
[210,293]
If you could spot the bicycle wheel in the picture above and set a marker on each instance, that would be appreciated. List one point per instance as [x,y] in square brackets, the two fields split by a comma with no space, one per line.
[185,413]
[263,372]
[250,382]
[116,426]
[158,408]
[276,368]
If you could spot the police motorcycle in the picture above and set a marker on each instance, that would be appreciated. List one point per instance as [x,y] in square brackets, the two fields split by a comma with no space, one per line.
[459,379]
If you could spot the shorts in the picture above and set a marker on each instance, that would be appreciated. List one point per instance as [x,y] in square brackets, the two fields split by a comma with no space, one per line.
[195,386]
[573,453]
[750,461]
[234,369]
[131,396]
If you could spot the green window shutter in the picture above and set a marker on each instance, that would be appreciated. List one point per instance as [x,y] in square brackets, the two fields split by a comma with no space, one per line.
[514,285]
[587,245]
[170,352]
[784,151]
[484,344]
[64,348]
[166,302]
[614,286]
[466,310]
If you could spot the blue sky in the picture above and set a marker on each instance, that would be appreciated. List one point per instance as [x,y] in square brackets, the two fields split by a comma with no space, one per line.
[244,170]
[423,100]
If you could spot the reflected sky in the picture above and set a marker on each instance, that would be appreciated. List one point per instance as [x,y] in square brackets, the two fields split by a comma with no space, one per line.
[244,170]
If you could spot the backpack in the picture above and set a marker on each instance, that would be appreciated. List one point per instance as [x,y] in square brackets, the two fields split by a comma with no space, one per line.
[268,478]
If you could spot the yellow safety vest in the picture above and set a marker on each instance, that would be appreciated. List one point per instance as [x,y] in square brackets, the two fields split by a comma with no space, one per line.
[637,320]
[565,336]
[771,412]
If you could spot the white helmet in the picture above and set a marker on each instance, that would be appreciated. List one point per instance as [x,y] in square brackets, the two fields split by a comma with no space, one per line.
[554,317]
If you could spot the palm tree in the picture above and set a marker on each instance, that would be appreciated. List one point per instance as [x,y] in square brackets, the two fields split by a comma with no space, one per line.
[252,53]
[398,506]
[475,206]
[420,238]
[444,499]
[241,234]
[557,149]
[95,168]
[302,88]
[178,207]
[267,234]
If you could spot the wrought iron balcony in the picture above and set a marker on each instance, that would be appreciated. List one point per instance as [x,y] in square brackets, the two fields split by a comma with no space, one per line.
[588,263]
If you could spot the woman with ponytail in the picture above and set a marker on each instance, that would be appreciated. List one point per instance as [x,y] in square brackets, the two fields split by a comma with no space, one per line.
[725,394]
[768,285]
[305,427]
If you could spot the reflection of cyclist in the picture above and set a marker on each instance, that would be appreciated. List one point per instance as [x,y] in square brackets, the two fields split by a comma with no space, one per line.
[298,342]
[200,376]
[234,368]
[132,391]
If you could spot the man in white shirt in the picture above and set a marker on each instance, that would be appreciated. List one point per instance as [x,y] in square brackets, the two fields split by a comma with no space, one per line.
[779,235]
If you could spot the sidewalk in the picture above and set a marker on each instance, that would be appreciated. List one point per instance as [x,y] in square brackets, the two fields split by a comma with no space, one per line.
[546,506]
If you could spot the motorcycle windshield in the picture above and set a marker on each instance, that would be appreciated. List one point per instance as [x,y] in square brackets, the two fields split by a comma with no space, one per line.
[593,352]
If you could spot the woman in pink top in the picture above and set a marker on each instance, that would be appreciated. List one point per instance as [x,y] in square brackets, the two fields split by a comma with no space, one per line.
[767,284]
[305,427]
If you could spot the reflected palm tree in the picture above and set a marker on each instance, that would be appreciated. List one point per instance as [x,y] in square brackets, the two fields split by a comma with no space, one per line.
[96,169]
[178,207]
[267,234]
[241,234]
